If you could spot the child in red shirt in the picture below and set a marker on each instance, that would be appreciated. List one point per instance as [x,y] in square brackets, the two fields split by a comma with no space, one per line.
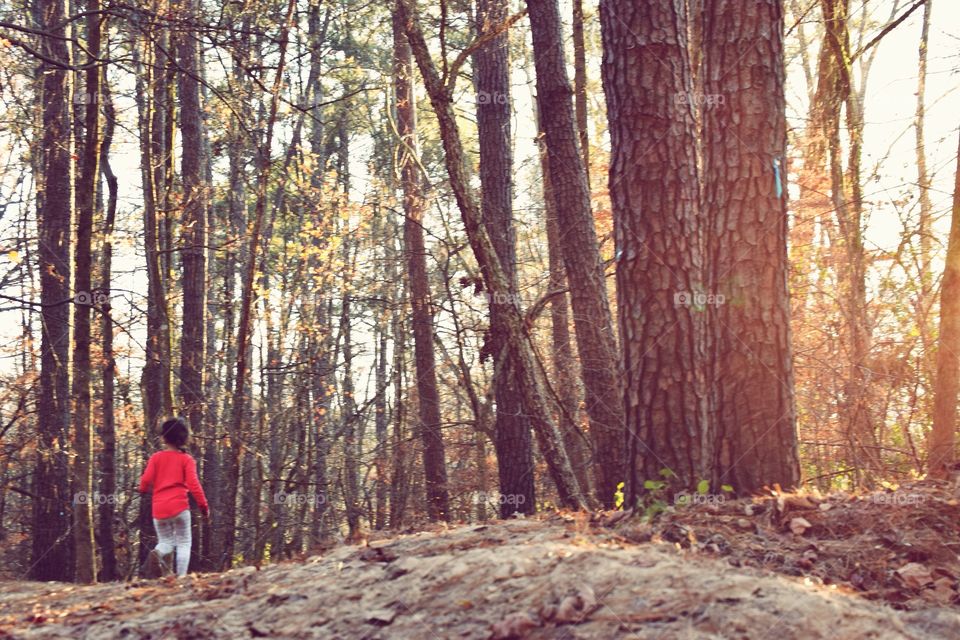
[172,473]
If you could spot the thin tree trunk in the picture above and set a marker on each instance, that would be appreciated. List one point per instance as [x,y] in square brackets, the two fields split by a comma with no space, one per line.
[528,369]
[593,323]
[106,458]
[246,303]
[513,441]
[941,444]
[193,227]
[52,552]
[428,394]
[580,85]
[564,363]
[86,298]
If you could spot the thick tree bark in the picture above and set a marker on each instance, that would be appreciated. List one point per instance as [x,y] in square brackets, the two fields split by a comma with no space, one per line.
[428,394]
[654,192]
[528,370]
[106,457]
[513,441]
[86,298]
[52,552]
[941,444]
[745,208]
[593,323]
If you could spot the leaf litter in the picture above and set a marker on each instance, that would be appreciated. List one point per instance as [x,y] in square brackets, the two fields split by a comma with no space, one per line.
[880,565]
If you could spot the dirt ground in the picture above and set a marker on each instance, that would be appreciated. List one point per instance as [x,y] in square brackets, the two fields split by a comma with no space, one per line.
[882,565]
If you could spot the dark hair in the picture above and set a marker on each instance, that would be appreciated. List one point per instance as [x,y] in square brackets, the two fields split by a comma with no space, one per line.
[175,431]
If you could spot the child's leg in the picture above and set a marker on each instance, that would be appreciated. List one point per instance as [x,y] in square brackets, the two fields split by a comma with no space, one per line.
[182,535]
[165,535]
[165,542]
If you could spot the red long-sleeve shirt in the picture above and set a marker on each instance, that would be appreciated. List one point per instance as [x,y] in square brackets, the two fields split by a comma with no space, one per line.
[172,474]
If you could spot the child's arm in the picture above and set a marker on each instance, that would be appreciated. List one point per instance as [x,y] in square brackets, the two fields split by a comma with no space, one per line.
[148,474]
[193,485]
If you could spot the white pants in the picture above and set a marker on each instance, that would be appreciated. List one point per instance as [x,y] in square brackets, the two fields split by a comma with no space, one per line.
[174,533]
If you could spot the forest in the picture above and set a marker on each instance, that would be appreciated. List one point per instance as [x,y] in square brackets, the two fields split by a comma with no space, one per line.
[406,266]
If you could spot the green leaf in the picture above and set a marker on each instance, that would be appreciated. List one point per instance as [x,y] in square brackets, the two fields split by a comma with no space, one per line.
[653,485]
[667,473]
[726,487]
[703,487]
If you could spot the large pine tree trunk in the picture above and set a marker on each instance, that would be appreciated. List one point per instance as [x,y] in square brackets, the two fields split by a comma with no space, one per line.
[428,395]
[654,192]
[941,445]
[86,298]
[512,440]
[52,557]
[745,209]
[593,324]
[528,370]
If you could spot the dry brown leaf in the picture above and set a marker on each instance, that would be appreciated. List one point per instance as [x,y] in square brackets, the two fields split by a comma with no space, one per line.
[915,575]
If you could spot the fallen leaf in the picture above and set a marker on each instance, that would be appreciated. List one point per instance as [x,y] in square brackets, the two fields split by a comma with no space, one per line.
[799,525]
[915,575]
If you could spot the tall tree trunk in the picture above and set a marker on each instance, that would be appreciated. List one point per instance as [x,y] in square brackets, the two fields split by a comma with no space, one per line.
[106,457]
[564,364]
[86,298]
[232,466]
[941,444]
[155,378]
[528,369]
[513,441]
[428,394]
[745,208]
[596,342]
[52,553]
[193,227]
[654,192]
[350,421]
[925,299]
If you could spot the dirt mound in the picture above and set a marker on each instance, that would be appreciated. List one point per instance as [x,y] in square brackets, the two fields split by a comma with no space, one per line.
[900,546]
[558,577]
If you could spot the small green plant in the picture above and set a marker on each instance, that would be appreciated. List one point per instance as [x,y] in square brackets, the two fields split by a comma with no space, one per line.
[654,502]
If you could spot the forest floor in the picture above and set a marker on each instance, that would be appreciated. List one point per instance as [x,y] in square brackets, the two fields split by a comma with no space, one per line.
[880,565]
